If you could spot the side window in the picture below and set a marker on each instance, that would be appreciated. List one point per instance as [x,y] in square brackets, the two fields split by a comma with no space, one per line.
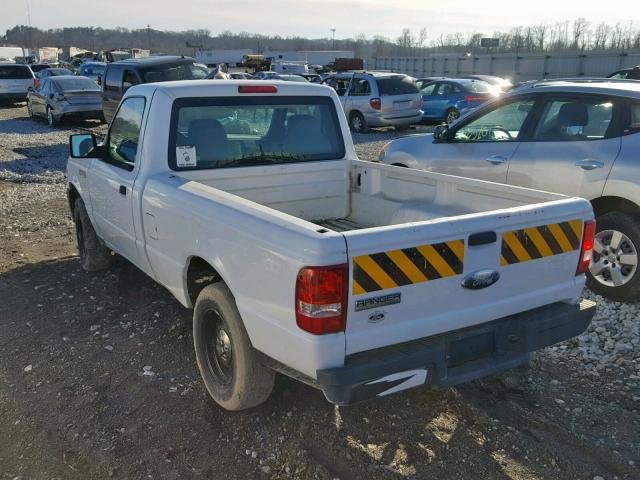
[502,124]
[341,86]
[428,89]
[360,87]
[620,75]
[130,79]
[444,89]
[631,124]
[125,132]
[113,80]
[575,120]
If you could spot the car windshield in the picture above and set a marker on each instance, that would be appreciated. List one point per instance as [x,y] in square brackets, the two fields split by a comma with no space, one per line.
[397,85]
[478,86]
[79,83]
[97,70]
[14,72]
[233,132]
[176,71]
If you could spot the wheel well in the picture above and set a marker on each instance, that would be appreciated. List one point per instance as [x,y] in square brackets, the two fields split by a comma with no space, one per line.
[602,205]
[199,274]
[399,165]
[72,196]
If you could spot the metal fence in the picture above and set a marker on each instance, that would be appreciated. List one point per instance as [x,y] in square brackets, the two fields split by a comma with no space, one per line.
[517,67]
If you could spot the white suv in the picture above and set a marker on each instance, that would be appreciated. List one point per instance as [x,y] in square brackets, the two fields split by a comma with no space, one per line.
[15,81]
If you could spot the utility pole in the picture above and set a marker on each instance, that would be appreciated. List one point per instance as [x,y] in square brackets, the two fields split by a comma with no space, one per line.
[333,39]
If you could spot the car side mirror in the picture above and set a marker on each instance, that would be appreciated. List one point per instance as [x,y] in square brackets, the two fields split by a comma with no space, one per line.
[574,131]
[441,133]
[81,144]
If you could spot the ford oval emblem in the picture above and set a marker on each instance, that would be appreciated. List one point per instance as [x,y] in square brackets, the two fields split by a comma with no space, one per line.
[480,279]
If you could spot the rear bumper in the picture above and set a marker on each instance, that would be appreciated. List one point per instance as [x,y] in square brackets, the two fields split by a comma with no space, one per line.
[379,120]
[454,357]
[90,110]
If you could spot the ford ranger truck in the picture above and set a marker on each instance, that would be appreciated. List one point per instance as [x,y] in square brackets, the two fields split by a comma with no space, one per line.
[247,202]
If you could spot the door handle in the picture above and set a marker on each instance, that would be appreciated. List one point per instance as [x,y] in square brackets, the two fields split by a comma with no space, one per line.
[123,190]
[589,164]
[496,159]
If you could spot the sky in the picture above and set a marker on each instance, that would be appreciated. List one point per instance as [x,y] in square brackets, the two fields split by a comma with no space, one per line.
[315,18]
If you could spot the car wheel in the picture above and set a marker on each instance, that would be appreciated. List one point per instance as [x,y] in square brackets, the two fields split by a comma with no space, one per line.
[94,255]
[51,119]
[451,116]
[29,109]
[357,123]
[613,272]
[230,369]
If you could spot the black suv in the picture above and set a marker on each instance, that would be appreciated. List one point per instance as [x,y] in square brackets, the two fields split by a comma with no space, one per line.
[119,76]
[632,73]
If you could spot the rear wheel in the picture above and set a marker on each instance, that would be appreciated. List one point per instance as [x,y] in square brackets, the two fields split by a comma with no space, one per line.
[357,123]
[51,119]
[230,369]
[451,116]
[94,255]
[613,272]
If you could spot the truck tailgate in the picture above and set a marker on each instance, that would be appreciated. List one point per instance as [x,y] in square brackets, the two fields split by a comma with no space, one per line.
[420,279]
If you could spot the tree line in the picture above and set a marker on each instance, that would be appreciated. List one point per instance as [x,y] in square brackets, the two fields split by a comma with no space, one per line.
[576,35]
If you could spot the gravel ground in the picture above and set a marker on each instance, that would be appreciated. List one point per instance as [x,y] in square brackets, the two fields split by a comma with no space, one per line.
[98,378]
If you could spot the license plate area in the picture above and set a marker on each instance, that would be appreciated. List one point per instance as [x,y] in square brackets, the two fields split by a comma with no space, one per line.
[401,105]
[470,348]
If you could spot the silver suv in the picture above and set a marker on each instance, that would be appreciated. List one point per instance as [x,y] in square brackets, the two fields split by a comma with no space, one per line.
[580,138]
[15,80]
[377,99]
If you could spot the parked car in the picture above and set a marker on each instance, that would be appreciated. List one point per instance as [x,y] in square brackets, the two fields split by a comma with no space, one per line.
[265,75]
[447,99]
[240,76]
[121,75]
[377,99]
[38,67]
[357,278]
[53,72]
[290,78]
[93,70]
[503,84]
[573,138]
[421,82]
[61,97]
[627,73]
[311,77]
[15,80]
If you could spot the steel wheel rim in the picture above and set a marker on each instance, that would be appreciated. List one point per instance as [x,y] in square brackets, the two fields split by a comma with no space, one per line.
[49,116]
[615,258]
[356,123]
[452,116]
[218,347]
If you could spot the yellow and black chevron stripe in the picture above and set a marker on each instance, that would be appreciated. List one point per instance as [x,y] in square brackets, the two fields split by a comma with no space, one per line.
[396,268]
[538,242]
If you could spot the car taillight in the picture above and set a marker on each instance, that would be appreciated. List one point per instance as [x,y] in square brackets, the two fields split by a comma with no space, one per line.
[588,239]
[321,299]
[474,98]
[375,103]
[257,89]
[36,82]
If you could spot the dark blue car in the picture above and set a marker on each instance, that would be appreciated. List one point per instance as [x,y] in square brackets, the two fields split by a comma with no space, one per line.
[446,99]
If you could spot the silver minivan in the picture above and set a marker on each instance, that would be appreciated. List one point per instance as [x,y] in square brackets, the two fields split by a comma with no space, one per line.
[377,99]
[15,80]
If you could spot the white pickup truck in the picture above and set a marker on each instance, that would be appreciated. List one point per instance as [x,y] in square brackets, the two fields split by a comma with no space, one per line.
[247,202]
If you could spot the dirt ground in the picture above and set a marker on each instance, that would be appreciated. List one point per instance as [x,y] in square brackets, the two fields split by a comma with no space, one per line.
[98,380]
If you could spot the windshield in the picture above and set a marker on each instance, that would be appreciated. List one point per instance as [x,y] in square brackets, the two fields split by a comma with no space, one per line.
[14,72]
[232,132]
[97,70]
[176,71]
[398,85]
[67,84]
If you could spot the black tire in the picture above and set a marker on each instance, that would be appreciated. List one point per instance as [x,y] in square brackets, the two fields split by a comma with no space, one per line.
[451,116]
[629,225]
[230,369]
[30,110]
[357,123]
[94,255]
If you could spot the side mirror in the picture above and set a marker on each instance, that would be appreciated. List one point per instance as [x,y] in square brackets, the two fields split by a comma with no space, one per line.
[575,131]
[81,144]
[441,133]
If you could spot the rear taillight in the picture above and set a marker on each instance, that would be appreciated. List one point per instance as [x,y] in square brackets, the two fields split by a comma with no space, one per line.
[475,98]
[375,103]
[36,82]
[321,299]
[588,238]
